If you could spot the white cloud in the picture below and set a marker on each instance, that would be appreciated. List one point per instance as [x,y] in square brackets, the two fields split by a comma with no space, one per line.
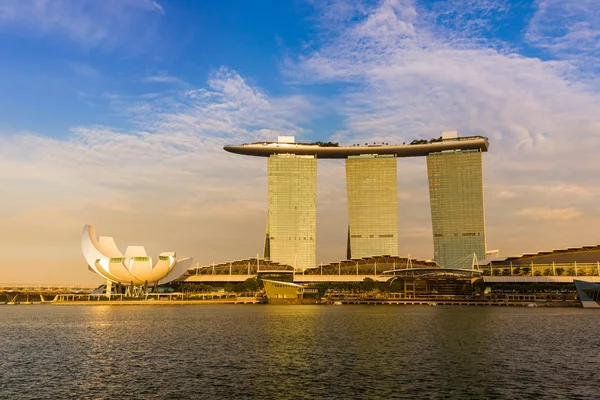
[468,20]
[551,214]
[564,25]
[108,24]
[568,29]
[161,79]
[418,85]
[391,19]
[169,183]
[85,70]
[507,194]
[174,132]
[402,72]
[156,6]
[435,73]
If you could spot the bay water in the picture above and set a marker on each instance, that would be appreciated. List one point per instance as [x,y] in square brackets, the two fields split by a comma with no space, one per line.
[294,352]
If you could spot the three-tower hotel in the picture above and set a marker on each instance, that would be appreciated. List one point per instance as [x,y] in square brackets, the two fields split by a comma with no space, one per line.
[454,169]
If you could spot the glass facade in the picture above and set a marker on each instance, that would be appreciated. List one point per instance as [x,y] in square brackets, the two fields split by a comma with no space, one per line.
[372,205]
[457,214]
[292,218]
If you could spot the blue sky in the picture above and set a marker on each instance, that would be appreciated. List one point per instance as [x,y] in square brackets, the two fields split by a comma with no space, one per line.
[65,65]
[115,113]
[56,77]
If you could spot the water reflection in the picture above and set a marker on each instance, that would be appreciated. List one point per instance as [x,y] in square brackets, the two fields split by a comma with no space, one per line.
[226,351]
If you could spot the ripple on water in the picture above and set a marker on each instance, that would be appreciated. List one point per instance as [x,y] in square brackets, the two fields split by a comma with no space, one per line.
[226,351]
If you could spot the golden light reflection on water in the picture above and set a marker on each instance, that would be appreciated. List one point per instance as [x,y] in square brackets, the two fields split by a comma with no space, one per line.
[232,351]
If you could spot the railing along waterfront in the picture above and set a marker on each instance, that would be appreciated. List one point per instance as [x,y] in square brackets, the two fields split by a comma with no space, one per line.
[45,287]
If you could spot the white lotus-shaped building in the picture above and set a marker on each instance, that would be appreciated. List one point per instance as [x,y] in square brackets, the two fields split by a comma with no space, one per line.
[132,268]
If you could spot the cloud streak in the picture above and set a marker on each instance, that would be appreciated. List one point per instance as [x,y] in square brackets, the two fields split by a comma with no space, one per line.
[551,214]
[407,72]
[399,70]
[108,24]
[171,172]
[566,29]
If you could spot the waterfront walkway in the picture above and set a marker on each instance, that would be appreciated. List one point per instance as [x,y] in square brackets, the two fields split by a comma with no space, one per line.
[86,301]
[152,302]
[463,303]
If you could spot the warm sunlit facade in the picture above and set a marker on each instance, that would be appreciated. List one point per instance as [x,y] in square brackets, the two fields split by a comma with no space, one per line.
[372,205]
[134,267]
[292,218]
[456,191]
[457,212]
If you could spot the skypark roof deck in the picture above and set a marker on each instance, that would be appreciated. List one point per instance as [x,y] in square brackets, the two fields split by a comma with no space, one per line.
[266,149]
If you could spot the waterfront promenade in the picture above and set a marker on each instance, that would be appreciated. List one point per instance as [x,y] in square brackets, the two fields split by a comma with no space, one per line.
[83,296]
[84,300]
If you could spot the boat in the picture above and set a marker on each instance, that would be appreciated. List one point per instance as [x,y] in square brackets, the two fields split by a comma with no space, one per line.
[432,303]
[337,303]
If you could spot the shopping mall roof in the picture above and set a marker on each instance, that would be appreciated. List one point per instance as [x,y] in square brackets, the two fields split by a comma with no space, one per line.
[370,265]
[247,266]
[435,273]
[583,254]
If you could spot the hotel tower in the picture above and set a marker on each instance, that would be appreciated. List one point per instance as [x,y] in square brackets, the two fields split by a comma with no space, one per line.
[456,200]
[371,181]
[455,188]
[292,216]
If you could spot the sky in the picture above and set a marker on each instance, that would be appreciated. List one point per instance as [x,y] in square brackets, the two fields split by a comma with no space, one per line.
[114,113]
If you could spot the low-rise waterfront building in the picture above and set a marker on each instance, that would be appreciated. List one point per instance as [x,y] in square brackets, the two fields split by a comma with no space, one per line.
[133,271]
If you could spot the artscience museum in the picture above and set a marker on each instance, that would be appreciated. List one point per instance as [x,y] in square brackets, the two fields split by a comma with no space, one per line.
[132,272]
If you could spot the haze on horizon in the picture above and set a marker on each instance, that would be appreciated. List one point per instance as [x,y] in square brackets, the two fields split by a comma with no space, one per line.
[115,114]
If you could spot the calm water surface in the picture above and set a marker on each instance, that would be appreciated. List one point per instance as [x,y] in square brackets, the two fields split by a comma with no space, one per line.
[320,352]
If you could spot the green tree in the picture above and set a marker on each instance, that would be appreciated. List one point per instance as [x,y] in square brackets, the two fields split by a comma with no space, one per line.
[184,288]
[369,284]
[591,271]
[261,285]
[397,286]
[239,288]
[229,287]
[251,285]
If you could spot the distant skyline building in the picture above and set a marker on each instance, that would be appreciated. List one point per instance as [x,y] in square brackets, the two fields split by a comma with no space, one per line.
[371,182]
[292,215]
[457,210]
